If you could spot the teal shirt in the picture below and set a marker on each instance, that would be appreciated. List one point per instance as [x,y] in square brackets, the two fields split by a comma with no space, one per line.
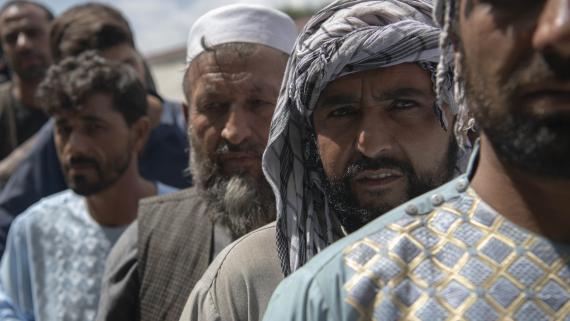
[445,255]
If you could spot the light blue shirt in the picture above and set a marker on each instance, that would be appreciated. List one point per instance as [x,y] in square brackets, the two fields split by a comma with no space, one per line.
[446,255]
[54,261]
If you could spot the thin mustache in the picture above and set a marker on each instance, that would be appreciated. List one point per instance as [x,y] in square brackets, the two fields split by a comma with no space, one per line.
[226,148]
[29,53]
[82,160]
[548,68]
[373,164]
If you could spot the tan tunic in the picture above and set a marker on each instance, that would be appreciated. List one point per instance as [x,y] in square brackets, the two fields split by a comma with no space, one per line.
[240,281]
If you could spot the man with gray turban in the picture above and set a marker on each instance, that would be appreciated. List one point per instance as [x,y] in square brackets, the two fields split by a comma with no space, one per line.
[357,131]
[235,63]
[493,244]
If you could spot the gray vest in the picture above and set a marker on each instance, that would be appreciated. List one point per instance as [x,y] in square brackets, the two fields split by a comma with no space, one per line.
[175,248]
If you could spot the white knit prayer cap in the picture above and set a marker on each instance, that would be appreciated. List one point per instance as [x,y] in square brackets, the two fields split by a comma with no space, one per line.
[242,23]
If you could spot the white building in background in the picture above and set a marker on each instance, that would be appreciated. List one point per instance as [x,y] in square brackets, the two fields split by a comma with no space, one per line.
[168,70]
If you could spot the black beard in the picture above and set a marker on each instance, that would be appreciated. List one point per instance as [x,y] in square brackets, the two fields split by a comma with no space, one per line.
[239,202]
[344,203]
[35,73]
[81,186]
[539,145]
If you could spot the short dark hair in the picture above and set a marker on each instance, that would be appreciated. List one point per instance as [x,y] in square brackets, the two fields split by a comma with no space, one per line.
[69,83]
[20,3]
[91,26]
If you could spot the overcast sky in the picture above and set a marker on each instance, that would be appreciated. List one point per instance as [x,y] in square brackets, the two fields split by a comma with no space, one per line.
[160,25]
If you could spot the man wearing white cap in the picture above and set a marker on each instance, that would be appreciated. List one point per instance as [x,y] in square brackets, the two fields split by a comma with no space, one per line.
[235,63]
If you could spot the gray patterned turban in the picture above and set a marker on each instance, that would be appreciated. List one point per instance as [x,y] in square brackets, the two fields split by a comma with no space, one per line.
[345,37]
[439,9]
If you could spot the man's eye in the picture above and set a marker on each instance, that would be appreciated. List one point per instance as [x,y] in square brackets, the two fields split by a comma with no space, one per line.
[402,104]
[91,128]
[32,33]
[257,103]
[343,111]
[63,130]
[212,107]
[11,38]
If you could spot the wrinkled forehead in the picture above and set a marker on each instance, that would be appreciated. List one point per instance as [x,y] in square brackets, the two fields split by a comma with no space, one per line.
[383,79]
[214,62]
[261,70]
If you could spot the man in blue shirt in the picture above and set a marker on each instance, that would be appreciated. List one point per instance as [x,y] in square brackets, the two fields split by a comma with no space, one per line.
[494,243]
[56,250]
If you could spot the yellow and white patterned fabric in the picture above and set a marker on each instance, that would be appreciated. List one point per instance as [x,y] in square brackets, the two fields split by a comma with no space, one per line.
[444,256]
[462,261]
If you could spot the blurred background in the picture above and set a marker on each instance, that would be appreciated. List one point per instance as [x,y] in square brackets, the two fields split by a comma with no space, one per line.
[161,28]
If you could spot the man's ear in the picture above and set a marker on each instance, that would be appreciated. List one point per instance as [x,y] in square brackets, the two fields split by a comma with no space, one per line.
[140,130]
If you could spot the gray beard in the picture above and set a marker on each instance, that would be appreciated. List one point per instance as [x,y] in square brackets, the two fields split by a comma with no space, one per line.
[238,202]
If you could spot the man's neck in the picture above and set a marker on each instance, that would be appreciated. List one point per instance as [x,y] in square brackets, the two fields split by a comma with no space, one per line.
[25,91]
[535,203]
[118,205]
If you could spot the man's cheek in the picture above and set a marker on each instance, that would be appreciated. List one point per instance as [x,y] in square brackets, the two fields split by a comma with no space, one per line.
[333,165]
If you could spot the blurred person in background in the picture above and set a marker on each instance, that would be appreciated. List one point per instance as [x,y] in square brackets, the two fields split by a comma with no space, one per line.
[24,35]
[4,69]
[56,250]
[165,156]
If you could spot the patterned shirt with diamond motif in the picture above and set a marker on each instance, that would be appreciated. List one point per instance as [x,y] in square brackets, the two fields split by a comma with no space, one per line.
[446,255]
[55,259]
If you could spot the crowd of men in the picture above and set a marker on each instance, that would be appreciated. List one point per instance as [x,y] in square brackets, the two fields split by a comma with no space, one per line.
[392,160]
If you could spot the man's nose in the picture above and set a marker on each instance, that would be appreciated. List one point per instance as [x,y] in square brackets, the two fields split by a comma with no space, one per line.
[76,144]
[375,137]
[23,41]
[237,127]
[553,27]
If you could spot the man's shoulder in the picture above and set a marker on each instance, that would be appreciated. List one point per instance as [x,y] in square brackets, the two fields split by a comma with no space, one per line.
[261,238]
[395,236]
[251,263]
[179,212]
[58,201]
[5,88]
[392,229]
[251,254]
[177,205]
[187,195]
[49,210]
[5,96]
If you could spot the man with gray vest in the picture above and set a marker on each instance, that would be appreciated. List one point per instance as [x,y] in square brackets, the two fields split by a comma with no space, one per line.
[235,63]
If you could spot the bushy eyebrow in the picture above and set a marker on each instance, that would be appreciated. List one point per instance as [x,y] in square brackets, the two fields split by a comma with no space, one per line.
[93,119]
[86,118]
[334,100]
[401,92]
